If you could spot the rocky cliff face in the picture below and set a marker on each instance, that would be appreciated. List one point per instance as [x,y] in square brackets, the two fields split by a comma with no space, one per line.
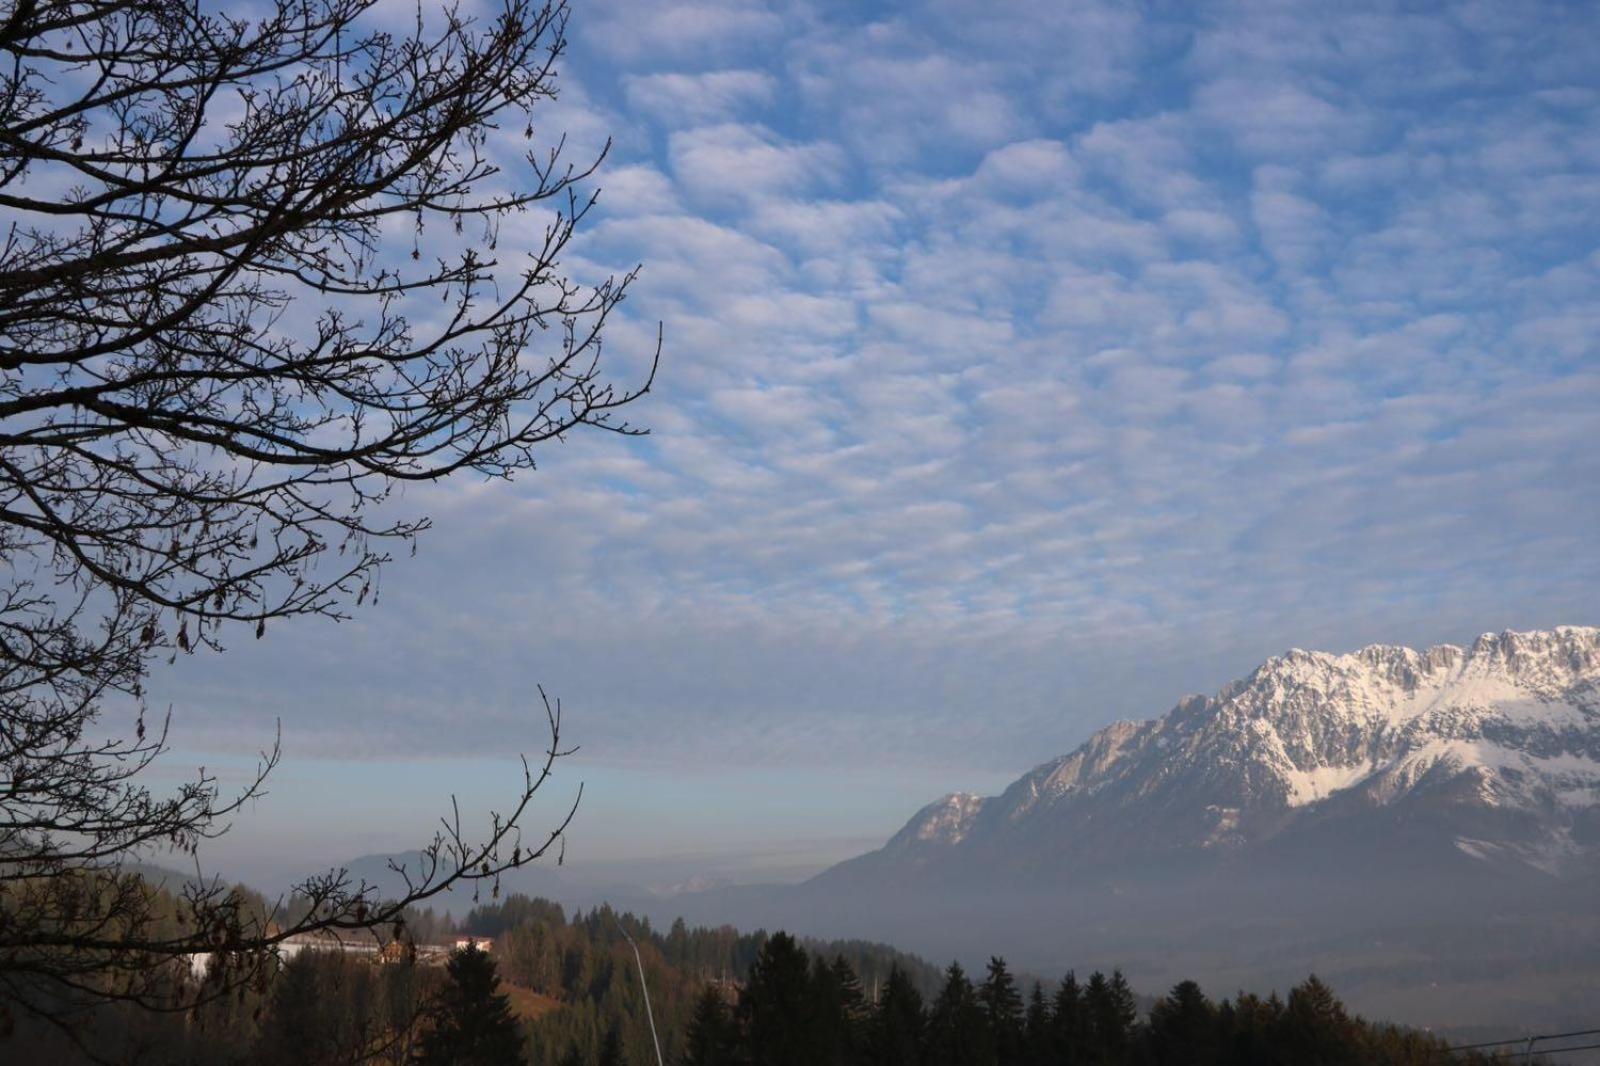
[1487,754]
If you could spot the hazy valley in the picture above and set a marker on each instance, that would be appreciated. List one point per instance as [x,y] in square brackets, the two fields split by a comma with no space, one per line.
[1420,827]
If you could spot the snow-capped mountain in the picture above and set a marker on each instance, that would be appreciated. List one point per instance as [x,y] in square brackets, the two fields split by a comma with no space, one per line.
[1487,754]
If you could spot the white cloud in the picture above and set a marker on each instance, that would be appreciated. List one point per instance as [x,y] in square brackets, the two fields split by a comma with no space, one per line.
[678,99]
[892,97]
[1026,366]
[831,228]
[637,189]
[1273,120]
[645,33]
[745,163]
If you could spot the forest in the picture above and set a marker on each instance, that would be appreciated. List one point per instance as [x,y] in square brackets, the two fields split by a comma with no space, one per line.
[560,990]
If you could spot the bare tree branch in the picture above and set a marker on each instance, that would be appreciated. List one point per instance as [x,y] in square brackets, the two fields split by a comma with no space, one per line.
[221,349]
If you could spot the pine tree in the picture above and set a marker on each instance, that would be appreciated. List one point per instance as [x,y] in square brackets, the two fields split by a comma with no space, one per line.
[895,1033]
[777,1008]
[472,1020]
[1249,1026]
[677,943]
[712,1038]
[1315,1029]
[1111,1014]
[611,1048]
[1068,1023]
[1002,1008]
[1124,1014]
[851,997]
[1183,1027]
[837,1012]
[958,1033]
[1037,1034]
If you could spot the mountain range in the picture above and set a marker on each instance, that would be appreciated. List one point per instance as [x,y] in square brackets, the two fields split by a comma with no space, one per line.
[1422,828]
[1483,755]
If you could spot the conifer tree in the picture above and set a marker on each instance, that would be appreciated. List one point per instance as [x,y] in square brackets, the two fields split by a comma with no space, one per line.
[1002,1008]
[1036,1040]
[1096,997]
[1250,1024]
[1123,1016]
[472,1020]
[958,1033]
[1068,1023]
[895,1033]
[776,1007]
[1315,1029]
[837,1008]
[712,1038]
[1111,1014]
[611,1047]
[1183,1026]
[850,994]
[677,943]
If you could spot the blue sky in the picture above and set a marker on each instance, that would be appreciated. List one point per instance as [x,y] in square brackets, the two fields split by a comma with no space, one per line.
[1027,366]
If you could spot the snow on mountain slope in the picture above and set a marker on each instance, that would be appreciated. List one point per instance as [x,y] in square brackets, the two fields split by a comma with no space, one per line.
[1494,749]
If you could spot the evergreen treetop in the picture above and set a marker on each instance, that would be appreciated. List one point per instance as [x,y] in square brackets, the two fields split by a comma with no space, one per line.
[472,1023]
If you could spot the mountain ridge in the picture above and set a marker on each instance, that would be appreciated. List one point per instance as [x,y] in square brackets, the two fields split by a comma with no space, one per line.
[1492,749]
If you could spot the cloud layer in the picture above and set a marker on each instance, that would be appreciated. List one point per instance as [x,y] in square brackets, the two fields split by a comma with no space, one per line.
[1025,368]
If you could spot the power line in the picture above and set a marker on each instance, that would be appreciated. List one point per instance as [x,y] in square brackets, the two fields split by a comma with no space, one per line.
[1551,1051]
[1526,1040]
[1527,1044]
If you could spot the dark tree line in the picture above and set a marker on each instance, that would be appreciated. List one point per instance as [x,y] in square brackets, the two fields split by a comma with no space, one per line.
[801,1010]
[560,991]
[584,965]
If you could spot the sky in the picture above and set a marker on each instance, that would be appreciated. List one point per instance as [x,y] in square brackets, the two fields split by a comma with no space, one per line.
[1026,367]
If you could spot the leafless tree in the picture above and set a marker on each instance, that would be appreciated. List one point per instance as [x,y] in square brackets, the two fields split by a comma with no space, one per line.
[256,271]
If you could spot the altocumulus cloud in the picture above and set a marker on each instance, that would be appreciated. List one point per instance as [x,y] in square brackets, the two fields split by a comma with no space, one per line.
[1025,368]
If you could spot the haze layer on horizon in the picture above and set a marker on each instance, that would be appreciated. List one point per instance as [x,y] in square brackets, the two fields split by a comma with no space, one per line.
[1026,367]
